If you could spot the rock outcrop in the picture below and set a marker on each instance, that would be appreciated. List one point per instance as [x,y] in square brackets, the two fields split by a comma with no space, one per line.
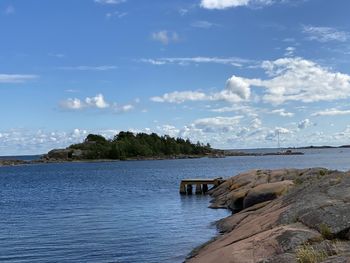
[12,162]
[287,215]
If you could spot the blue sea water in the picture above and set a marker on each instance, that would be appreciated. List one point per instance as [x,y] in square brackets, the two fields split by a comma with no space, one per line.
[120,211]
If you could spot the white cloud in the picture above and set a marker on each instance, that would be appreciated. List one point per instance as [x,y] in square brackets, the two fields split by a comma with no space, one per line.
[255,123]
[331,112]
[91,68]
[233,61]
[167,129]
[214,124]
[241,109]
[124,108]
[116,14]
[237,90]
[72,104]
[290,79]
[21,141]
[16,78]
[97,102]
[202,24]
[183,11]
[181,96]
[224,4]
[165,37]
[297,79]
[289,52]
[283,113]
[238,86]
[304,124]
[278,132]
[109,2]
[325,34]
[282,130]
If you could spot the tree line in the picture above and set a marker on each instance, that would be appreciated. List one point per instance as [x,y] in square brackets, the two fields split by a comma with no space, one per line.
[129,145]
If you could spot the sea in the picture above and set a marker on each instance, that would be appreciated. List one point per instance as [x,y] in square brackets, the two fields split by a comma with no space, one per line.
[128,212]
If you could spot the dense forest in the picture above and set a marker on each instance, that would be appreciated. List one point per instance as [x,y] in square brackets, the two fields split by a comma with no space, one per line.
[127,145]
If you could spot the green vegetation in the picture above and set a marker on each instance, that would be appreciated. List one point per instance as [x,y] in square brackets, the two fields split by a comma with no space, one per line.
[297,180]
[325,231]
[307,254]
[141,145]
[322,172]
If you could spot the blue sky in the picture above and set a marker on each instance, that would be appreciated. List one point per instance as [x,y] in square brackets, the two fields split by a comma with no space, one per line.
[234,73]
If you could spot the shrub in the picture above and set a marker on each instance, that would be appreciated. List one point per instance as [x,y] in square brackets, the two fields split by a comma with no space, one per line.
[297,181]
[322,172]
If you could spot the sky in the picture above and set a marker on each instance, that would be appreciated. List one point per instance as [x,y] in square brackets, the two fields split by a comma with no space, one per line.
[232,73]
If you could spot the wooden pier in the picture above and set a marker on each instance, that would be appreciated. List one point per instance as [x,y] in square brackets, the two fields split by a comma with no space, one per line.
[186,186]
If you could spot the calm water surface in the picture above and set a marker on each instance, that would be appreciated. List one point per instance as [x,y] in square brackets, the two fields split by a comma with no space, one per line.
[120,211]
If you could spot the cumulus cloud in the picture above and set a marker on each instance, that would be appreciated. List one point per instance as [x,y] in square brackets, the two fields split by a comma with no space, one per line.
[96,102]
[214,124]
[288,79]
[165,37]
[170,130]
[224,4]
[304,124]
[279,135]
[237,90]
[16,78]
[297,79]
[21,141]
[238,86]
[282,130]
[72,104]
[325,34]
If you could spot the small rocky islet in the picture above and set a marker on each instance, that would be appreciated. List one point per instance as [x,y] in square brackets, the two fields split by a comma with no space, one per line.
[281,216]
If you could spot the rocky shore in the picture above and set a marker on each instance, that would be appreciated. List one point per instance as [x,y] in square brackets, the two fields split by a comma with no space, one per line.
[12,162]
[281,216]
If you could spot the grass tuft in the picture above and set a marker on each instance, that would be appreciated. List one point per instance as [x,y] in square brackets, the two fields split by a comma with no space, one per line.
[325,231]
[307,254]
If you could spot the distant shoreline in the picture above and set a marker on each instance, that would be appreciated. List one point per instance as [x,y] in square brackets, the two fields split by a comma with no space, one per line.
[16,162]
[12,161]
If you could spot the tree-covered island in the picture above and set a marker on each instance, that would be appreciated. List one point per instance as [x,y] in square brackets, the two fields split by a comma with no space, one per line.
[127,145]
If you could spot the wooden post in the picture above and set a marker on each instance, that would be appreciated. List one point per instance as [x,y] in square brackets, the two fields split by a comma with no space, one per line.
[198,189]
[189,189]
[182,188]
[205,188]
